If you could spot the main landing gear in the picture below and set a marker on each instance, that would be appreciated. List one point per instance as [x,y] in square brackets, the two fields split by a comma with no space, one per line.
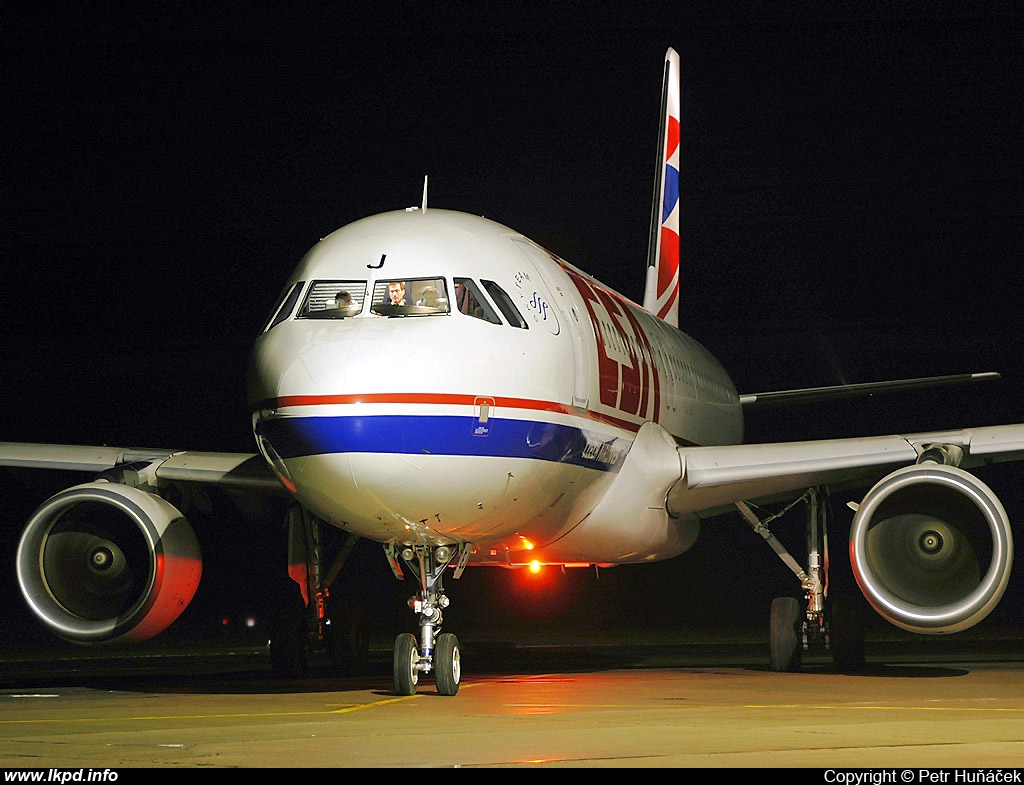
[829,623]
[306,615]
[437,651]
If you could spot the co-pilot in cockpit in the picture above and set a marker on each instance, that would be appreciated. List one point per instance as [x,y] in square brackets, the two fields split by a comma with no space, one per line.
[428,298]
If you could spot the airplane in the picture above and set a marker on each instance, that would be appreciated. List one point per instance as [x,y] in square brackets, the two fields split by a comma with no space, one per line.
[537,417]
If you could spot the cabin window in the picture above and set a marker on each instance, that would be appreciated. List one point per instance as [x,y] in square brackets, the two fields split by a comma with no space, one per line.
[333,299]
[410,297]
[470,301]
[505,305]
[285,305]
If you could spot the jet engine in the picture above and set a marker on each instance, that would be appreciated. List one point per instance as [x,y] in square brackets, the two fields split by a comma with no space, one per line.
[931,548]
[104,562]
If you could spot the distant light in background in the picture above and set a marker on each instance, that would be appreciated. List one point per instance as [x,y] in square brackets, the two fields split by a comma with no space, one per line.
[249,622]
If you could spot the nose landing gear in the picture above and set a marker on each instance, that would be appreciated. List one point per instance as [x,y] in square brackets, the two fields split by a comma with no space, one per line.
[437,651]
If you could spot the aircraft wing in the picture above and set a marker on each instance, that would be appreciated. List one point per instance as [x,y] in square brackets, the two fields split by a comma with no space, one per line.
[244,471]
[716,476]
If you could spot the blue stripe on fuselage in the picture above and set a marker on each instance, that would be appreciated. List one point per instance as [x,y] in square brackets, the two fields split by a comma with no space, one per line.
[293,437]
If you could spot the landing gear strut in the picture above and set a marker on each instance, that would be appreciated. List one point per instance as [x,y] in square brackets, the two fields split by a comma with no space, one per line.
[827,623]
[437,651]
[306,617]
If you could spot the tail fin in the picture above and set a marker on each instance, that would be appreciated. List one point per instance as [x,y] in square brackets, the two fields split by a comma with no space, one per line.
[661,290]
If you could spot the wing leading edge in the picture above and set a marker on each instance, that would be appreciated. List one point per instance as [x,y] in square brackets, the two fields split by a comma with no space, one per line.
[231,470]
[715,476]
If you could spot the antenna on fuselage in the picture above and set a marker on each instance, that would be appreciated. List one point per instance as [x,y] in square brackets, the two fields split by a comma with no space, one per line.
[423,207]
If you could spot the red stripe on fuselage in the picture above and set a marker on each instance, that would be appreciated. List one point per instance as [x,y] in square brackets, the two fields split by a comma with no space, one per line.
[287,401]
[457,399]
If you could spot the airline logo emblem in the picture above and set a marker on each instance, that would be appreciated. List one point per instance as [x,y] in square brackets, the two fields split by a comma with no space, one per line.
[627,376]
[668,251]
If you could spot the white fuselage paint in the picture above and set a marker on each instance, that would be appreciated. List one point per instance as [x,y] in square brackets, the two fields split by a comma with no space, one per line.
[442,428]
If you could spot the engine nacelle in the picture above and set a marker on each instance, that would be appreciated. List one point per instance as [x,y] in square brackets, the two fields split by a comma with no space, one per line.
[931,548]
[103,562]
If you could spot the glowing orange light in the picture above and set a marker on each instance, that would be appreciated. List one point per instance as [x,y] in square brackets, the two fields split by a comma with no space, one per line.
[535,567]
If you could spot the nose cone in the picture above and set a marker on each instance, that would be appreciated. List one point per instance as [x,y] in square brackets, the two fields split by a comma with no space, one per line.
[318,388]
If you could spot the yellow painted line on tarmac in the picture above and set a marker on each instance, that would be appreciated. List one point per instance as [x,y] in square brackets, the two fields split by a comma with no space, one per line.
[386,701]
[372,705]
[158,717]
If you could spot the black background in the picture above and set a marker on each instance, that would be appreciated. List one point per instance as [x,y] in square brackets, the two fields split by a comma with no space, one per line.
[851,211]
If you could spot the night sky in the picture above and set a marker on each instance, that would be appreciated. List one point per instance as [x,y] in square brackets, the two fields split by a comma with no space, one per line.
[851,196]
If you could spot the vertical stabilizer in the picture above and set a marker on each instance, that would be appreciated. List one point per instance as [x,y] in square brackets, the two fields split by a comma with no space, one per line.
[661,290]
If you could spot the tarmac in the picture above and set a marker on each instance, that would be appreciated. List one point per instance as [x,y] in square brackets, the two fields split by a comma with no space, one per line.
[625,700]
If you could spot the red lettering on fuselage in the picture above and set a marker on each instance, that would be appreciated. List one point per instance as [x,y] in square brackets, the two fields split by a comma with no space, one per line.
[627,376]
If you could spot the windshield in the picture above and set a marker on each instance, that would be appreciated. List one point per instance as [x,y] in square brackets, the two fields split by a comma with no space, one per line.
[334,299]
[415,297]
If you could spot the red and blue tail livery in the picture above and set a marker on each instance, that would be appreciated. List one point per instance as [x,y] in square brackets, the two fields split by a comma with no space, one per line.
[661,290]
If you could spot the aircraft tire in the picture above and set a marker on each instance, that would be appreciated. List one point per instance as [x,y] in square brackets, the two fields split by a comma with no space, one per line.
[783,638]
[448,665]
[405,674]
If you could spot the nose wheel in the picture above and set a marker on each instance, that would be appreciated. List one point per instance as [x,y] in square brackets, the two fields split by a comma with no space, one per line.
[448,669]
[406,667]
[437,651]
[446,665]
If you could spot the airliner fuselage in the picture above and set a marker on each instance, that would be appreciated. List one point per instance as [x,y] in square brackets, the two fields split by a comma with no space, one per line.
[495,404]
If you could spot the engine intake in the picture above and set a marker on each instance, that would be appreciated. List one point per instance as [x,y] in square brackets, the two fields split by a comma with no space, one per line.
[103,562]
[931,548]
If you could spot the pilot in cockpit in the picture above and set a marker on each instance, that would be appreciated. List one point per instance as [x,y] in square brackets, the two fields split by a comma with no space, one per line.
[428,297]
[343,305]
[342,299]
[396,292]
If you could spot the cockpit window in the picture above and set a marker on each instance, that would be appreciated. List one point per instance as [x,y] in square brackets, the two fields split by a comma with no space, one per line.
[413,297]
[334,299]
[471,302]
[505,304]
[285,305]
